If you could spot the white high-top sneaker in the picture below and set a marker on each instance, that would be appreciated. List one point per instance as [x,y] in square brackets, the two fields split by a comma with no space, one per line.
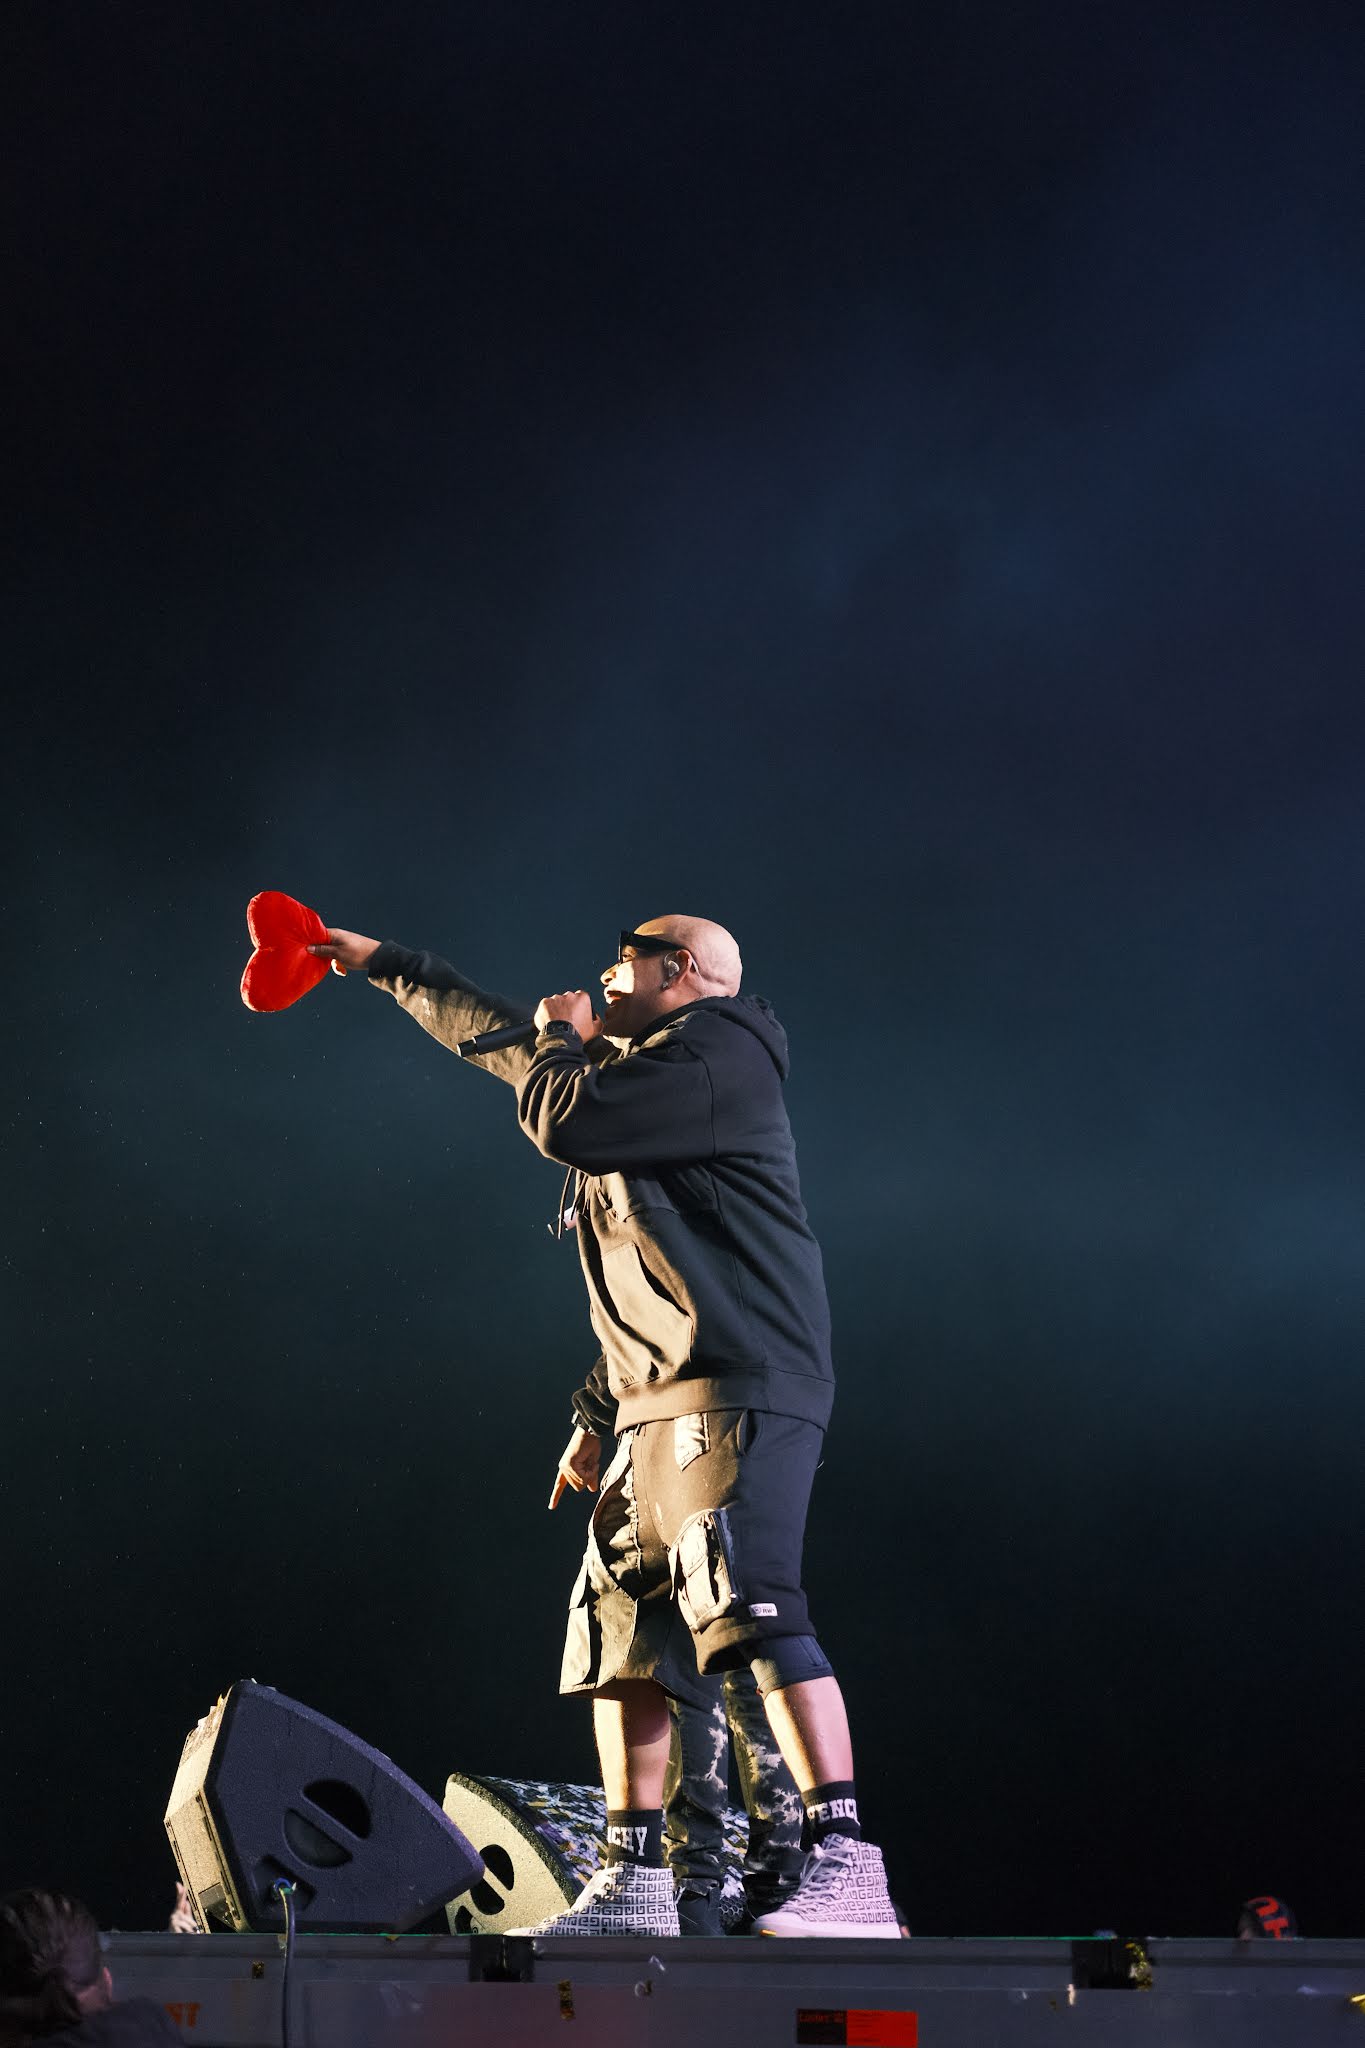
[842,1893]
[622,1898]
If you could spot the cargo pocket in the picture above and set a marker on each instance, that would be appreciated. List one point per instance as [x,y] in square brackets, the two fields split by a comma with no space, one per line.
[580,1654]
[705,1578]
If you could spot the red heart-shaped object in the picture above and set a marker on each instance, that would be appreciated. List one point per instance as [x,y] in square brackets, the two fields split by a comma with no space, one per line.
[281,969]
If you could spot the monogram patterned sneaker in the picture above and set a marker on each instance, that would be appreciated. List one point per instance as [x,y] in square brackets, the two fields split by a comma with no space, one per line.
[622,1898]
[842,1895]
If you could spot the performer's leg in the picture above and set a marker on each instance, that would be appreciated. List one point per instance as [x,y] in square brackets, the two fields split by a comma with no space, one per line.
[811,1726]
[843,1889]
[696,1791]
[773,1854]
[632,1893]
[620,1614]
[630,1722]
[739,1559]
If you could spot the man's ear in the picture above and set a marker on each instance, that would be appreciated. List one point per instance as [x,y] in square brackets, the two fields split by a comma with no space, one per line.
[97,1995]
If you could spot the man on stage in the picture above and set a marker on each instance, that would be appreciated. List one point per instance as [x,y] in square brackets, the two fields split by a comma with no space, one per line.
[707,1297]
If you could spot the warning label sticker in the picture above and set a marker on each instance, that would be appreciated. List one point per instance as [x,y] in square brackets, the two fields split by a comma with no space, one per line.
[855,2027]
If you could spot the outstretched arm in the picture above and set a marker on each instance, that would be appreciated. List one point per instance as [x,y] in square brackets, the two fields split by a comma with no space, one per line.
[447,1006]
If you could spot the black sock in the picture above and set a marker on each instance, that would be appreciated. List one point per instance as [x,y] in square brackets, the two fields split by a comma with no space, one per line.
[831,1810]
[635,1835]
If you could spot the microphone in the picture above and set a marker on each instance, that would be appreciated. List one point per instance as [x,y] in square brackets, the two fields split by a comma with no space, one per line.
[493,1041]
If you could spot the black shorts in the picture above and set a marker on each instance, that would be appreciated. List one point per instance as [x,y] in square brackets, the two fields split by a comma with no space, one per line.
[694,1550]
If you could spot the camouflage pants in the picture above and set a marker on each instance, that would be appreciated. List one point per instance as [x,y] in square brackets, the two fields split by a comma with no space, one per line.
[696,1795]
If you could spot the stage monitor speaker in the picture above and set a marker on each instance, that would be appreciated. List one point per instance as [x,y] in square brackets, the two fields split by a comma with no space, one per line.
[540,1843]
[267,1789]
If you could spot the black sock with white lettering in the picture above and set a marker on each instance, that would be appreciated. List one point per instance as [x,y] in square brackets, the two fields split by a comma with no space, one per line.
[831,1810]
[635,1836]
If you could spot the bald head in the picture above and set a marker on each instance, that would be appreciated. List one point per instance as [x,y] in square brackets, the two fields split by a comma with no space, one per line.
[715,955]
[643,985]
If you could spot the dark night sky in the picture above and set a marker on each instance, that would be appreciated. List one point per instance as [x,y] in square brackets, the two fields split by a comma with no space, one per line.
[888,478]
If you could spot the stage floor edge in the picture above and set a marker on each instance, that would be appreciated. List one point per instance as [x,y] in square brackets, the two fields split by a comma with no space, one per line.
[375,1991]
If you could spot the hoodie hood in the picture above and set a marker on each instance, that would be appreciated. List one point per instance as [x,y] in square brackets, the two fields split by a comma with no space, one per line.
[755,1013]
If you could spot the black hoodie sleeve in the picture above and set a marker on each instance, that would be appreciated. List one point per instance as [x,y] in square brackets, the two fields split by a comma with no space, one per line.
[448,1006]
[594,1404]
[653,1109]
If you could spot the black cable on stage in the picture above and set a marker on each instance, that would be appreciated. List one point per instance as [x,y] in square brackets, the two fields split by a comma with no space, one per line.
[283,1890]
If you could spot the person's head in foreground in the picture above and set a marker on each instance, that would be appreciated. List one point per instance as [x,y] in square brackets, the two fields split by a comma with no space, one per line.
[52,1971]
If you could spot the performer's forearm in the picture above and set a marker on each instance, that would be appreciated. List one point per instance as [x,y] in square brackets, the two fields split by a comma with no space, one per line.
[594,1404]
[449,1007]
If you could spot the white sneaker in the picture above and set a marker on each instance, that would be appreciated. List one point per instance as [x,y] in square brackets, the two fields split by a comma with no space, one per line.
[622,1898]
[842,1894]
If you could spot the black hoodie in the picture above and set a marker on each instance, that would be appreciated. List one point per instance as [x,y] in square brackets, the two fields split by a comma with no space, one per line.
[704,1278]
[131,2023]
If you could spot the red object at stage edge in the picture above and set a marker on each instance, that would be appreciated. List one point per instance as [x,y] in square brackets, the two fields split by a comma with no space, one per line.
[281,969]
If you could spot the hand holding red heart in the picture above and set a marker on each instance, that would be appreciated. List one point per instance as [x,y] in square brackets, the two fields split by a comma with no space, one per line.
[293,950]
[344,949]
[281,969]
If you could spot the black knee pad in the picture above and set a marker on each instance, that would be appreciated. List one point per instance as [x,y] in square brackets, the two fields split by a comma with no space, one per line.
[788,1660]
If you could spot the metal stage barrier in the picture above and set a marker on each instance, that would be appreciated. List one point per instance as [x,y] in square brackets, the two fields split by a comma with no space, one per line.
[462,1991]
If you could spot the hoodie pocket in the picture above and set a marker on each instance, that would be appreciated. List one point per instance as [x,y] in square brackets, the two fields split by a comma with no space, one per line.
[648,1318]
